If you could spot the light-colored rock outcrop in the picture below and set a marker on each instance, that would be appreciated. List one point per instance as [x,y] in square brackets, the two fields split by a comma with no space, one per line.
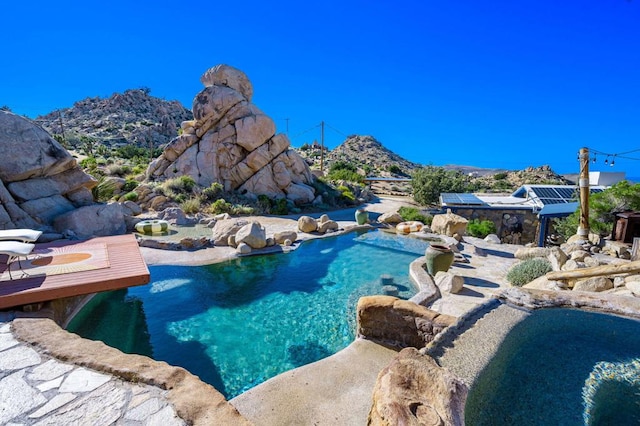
[232,142]
[307,224]
[42,187]
[449,224]
[414,390]
[449,282]
[225,228]
[253,234]
[392,218]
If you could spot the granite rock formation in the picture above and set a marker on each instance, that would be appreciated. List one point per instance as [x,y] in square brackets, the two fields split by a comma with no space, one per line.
[42,187]
[232,142]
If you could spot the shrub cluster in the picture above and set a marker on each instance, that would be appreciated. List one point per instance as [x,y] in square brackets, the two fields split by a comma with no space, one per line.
[411,213]
[480,229]
[527,271]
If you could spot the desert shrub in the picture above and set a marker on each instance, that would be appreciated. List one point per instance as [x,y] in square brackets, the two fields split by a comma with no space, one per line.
[279,207]
[191,205]
[500,176]
[131,196]
[118,170]
[412,213]
[179,185]
[130,185]
[348,175]
[342,170]
[346,193]
[104,190]
[395,169]
[241,209]
[481,228]
[527,271]
[89,163]
[212,192]
[220,206]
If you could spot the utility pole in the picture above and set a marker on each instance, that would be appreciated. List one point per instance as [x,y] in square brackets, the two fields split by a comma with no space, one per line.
[583,229]
[322,147]
[287,120]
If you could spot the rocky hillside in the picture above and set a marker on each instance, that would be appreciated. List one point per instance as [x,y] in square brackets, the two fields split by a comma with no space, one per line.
[507,181]
[124,118]
[369,155]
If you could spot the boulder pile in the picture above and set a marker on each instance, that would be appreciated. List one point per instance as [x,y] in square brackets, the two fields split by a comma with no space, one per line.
[232,142]
[42,187]
[323,225]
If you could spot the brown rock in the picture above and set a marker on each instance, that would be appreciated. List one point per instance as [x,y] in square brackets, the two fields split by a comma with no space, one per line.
[449,224]
[414,390]
[398,323]
[225,228]
[280,237]
[328,226]
[595,284]
[252,234]
[307,224]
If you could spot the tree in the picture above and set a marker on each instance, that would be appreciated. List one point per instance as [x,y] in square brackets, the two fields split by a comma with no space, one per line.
[429,181]
[603,208]
[5,108]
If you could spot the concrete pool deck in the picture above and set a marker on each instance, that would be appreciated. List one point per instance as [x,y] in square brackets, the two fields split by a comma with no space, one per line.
[336,390]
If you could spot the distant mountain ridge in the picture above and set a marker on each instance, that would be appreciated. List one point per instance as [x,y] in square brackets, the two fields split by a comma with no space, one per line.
[132,117]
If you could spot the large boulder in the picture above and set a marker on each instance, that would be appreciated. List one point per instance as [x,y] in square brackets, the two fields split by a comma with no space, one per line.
[281,237]
[232,142]
[595,284]
[414,390]
[42,186]
[225,228]
[253,234]
[307,224]
[392,218]
[89,221]
[449,224]
[449,282]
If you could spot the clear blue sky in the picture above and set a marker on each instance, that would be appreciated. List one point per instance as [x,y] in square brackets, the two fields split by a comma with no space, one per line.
[505,84]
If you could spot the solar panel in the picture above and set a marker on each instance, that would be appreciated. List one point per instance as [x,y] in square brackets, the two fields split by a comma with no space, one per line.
[558,195]
[466,199]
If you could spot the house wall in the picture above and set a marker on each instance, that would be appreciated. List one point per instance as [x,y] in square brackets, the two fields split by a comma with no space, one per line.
[514,226]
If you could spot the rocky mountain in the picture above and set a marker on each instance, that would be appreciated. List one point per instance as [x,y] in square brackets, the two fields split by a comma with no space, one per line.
[124,118]
[368,154]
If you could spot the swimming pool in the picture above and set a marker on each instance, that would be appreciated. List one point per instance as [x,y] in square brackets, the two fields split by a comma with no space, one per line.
[238,323]
[561,366]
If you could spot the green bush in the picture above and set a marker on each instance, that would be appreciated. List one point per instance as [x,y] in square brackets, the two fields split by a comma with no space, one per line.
[500,176]
[220,206]
[279,207]
[395,169]
[346,193]
[481,229]
[412,213]
[348,175]
[131,196]
[179,185]
[130,185]
[212,192]
[103,191]
[603,207]
[527,271]
[191,205]
[428,182]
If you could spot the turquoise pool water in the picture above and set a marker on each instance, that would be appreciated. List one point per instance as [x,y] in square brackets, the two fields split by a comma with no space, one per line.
[239,323]
[562,367]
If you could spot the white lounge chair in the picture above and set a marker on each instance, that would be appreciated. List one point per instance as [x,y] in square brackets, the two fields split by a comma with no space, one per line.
[14,251]
[24,235]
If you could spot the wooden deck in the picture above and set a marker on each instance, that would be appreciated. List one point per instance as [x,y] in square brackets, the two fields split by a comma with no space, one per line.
[126,268]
